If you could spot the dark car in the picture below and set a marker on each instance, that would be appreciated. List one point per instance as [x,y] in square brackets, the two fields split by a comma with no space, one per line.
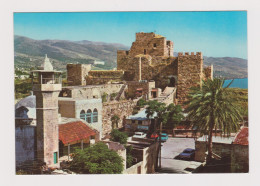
[187,154]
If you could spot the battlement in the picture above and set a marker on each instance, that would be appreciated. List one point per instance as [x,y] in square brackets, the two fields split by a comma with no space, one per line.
[123,52]
[192,54]
[141,35]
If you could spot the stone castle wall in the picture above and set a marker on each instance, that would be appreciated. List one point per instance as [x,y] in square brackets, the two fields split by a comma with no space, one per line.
[90,91]
[151,44]
[122,109]
[96,77]
[134,86]
[208,72]
[190,68]
[76,73]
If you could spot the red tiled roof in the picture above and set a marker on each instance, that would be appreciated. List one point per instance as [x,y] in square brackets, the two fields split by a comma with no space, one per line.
[242,137]
[74,131]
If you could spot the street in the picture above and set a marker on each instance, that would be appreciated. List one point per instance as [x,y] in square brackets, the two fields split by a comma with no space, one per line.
[172,148]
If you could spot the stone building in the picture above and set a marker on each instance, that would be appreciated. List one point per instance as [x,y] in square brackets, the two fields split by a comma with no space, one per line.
[89,110]
[145,152]
[149,58]
[85,102]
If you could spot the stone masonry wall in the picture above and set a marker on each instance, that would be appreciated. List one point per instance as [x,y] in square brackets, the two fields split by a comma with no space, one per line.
[159,69]
[122,109]
[208,72]
[151,44]
[190,69]
[76,73]
[240,158]
[96,77]
[220,149]
[90,91]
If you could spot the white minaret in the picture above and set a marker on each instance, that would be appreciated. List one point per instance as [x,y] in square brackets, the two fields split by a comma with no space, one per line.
[46,88]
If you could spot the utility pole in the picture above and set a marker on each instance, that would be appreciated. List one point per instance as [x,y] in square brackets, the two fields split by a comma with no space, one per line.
[160,146]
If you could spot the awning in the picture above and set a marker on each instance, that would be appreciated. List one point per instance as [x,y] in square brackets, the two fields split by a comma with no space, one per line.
[74,131]
[143,127]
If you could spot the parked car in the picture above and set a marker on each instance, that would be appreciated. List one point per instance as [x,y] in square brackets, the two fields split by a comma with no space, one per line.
[187,154]
[139,135]
[164,137]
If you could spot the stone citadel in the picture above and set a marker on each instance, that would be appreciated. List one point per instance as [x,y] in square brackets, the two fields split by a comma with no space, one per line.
[150,58]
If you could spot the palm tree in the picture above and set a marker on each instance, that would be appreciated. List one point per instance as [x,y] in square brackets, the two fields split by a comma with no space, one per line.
[211,107]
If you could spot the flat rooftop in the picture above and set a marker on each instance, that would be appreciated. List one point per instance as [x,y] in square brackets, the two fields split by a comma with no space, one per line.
[89,86]
[218,139]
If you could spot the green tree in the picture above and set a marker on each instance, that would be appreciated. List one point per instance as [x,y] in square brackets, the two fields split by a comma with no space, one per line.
[118,136]
[121,137]
[141,102]
[211,107]
[22,88]
[115,119]
[96,159]
[170,114]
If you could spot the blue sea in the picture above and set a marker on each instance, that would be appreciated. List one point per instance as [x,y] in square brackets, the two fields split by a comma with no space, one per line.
[237,83]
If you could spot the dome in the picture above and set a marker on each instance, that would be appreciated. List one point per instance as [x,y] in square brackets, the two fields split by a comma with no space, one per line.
[26,108]
[29,101]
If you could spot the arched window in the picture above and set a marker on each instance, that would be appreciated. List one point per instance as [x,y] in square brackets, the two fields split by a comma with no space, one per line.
[89,116]
[82,115]
[95,115]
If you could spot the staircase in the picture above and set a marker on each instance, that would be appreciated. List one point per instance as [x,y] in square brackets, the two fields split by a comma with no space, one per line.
[120,92]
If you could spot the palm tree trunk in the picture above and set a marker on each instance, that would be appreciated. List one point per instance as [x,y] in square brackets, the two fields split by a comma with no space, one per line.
[209,156]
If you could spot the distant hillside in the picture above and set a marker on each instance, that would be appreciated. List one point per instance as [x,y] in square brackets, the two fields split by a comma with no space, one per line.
[30,53]
[227,67]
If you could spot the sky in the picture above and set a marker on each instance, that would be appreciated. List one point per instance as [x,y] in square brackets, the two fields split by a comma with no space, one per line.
[215,34]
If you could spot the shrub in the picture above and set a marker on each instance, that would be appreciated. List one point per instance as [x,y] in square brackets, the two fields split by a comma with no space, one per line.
[118,136]
[141,102]
[113,96]
[96,159]
[104,97]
